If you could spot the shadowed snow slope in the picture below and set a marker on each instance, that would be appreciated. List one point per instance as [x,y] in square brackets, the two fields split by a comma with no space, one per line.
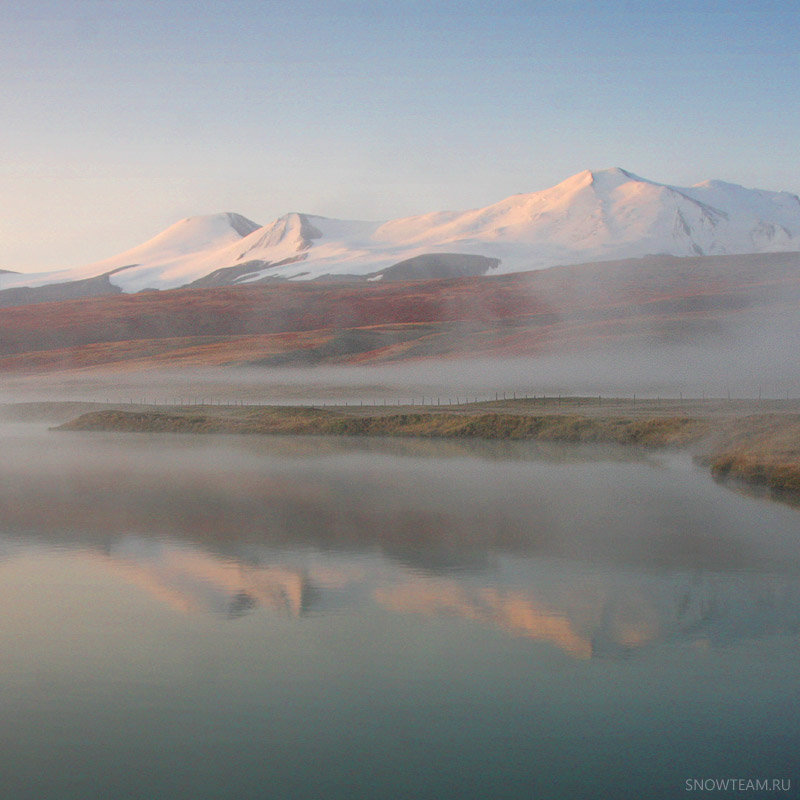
[592,216]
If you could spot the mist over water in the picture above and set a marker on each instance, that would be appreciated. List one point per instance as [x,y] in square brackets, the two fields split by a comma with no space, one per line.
[411,496]
[193,616]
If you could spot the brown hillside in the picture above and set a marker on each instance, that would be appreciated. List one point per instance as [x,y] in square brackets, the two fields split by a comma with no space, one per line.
[564,308]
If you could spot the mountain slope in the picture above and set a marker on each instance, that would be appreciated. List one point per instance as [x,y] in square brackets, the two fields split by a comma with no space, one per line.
[646,304]
[592,216]
[170,259]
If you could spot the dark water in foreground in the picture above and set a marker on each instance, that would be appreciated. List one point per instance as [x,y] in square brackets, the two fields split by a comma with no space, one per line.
[227,617]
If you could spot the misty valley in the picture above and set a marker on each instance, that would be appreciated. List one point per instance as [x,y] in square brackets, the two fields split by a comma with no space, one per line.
[399,400]
[215,616]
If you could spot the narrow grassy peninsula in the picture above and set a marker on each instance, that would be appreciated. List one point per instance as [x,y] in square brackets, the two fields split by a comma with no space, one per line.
[758,448]
[551,427]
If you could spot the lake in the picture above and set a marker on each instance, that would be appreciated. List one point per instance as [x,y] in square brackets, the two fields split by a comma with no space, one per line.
[247,617]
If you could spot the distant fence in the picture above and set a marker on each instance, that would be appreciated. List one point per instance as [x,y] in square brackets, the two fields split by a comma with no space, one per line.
[491,398]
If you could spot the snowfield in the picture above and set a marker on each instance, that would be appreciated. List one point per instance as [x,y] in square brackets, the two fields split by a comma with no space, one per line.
[592,216]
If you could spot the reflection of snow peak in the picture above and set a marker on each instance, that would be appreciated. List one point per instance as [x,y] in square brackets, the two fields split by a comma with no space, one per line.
[510,611]
[610,616]
[592,216]
[189,580]
[584,613]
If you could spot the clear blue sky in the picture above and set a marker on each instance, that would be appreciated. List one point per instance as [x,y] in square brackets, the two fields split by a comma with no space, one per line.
[120,117]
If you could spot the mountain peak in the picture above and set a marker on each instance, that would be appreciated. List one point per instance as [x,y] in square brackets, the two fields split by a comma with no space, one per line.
[242,225]
[616,172]
[194,234]
[714,183]
[293,233]
[607,179]
[595,215]
[616,176]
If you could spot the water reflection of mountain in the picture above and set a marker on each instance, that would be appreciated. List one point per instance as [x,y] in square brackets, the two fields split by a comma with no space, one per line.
[188,579]
[584,611]
[597,615]
[235,526]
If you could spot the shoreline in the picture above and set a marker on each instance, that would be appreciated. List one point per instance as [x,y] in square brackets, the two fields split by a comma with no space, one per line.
[760,450]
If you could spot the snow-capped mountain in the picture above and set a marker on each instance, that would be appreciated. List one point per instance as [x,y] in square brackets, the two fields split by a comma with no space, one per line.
[592,216]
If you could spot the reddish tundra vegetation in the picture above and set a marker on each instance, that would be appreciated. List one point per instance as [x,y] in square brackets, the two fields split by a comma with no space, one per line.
[656,300]
[602,308]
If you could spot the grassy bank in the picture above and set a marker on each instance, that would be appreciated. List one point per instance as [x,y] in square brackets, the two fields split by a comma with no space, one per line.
[763,450]
[760,449]
[653,432]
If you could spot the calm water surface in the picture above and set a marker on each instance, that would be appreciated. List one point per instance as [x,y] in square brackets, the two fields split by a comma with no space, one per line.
[242,617]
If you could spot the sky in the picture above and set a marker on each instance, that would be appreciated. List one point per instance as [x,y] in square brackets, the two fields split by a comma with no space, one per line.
[120,117]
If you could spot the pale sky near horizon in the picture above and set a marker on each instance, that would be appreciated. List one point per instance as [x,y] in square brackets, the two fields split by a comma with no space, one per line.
[121,117]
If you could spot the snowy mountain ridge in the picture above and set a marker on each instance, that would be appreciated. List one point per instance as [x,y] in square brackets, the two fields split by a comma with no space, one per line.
[591,216]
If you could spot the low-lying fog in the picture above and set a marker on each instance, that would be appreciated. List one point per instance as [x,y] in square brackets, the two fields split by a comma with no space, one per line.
[745,354]
[446,526]
[768,369]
